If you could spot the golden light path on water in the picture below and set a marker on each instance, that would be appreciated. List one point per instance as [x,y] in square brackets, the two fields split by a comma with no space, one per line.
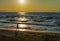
[22,19]
[23,25]
[21,13]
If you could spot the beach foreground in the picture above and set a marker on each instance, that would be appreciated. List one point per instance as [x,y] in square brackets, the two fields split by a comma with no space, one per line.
[9,35]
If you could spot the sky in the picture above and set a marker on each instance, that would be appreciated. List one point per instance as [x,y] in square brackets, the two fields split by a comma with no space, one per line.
[30,6]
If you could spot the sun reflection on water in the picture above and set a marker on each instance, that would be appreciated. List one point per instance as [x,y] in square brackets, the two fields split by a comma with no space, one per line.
[22,25]
[21,13]
[23,19]
[22,29]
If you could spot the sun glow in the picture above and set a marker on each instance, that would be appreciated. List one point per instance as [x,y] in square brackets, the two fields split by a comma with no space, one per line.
[22,1]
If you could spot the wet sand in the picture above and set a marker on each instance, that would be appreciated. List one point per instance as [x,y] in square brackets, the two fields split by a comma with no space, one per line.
[12,35]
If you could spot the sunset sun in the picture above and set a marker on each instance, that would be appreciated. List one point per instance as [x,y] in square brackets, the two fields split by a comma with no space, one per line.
[22,1]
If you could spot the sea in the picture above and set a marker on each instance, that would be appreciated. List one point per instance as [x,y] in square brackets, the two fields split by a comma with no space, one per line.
[30,20]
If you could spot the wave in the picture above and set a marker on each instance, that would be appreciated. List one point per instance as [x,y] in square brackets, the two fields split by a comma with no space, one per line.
[34,17]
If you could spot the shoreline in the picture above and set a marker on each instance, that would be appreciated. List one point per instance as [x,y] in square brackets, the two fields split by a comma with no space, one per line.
[13,31]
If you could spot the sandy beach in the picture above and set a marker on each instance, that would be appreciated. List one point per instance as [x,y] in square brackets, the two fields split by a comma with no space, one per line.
[13,35]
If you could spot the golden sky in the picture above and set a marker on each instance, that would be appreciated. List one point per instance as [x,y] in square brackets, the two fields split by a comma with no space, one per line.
[30,6]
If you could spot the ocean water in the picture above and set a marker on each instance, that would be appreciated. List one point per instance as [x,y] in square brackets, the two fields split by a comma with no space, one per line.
[31,20]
